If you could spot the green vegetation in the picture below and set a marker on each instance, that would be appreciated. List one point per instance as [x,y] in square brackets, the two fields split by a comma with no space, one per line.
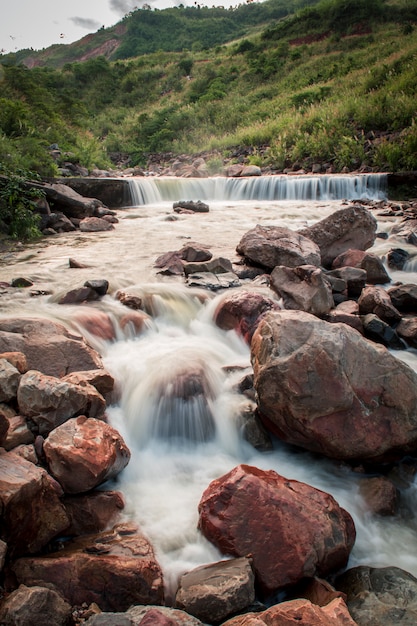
[331,82]
[17,204]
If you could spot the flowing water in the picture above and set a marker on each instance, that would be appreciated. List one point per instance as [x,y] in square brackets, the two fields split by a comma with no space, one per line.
[173,460]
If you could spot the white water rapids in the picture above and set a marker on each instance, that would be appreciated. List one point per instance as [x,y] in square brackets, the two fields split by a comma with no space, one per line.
[165,479]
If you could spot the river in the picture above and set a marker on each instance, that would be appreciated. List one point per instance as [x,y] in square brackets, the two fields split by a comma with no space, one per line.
[166,476]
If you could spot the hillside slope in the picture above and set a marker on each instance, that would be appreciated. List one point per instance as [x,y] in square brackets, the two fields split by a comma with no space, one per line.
[333,85]
[144,31]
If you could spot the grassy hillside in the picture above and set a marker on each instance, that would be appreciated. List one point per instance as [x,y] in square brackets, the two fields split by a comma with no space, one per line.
[144,31]
[334,83]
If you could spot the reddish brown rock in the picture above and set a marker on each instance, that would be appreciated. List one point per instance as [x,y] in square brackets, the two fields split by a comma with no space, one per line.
[48,347]
[175,616]
[133,323]
[303,288]
[320,386]
[242,311]
[114,569]
[50,401]
[215,591]
[376,300]
[404,297]
[17,359]
[407,330]
[34,606]
[18,433]
[297,612]
[83,453]
[376,273]
[93,512]
[30,501]
[352,227]
[130,300]
[78,296]
[95,225]
[275,245]
[290,530]
[100,379]
[96,323]
[380,495]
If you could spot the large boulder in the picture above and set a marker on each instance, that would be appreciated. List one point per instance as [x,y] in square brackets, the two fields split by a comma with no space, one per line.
[83,453]
[303,288]
[50,401]
[290,529]
[276,245]
[380,596]
[49,347]
[352,227]
[324,387]
[32,512]
[114,569]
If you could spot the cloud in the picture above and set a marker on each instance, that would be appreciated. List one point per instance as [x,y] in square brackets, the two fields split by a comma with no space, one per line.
[85,22]
[123,6]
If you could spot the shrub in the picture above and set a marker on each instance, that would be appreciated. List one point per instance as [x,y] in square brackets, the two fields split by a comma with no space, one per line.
[18,219]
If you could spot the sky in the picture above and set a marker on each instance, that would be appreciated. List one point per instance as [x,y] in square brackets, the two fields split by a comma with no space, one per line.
[38,24]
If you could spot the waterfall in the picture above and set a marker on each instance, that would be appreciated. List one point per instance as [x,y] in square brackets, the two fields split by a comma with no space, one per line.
[320,187]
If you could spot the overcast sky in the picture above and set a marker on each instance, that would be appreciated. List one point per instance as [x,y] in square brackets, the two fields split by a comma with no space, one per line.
[40,23]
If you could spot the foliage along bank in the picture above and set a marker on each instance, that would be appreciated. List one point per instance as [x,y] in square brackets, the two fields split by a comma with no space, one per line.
[334,84]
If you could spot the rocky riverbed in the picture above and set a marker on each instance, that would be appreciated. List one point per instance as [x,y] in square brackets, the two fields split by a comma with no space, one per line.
[314,301]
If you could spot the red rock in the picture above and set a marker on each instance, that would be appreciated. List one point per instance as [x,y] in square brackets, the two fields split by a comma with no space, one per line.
[49,347]
[50,401]
[96,323]
[213,592]
[32,513]
[376,300]
[79,295]
[290,530]
[242,311]
[324,387]
[17,359]
[114,569]
[100,379]
[85,452]
[371,263]
[18,433]
[380,495]
[296,612]
[93,512]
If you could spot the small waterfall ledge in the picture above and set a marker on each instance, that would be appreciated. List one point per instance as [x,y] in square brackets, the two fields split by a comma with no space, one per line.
[151,190]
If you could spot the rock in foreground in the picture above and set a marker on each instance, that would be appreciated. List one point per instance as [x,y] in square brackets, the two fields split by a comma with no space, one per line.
[290,529]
